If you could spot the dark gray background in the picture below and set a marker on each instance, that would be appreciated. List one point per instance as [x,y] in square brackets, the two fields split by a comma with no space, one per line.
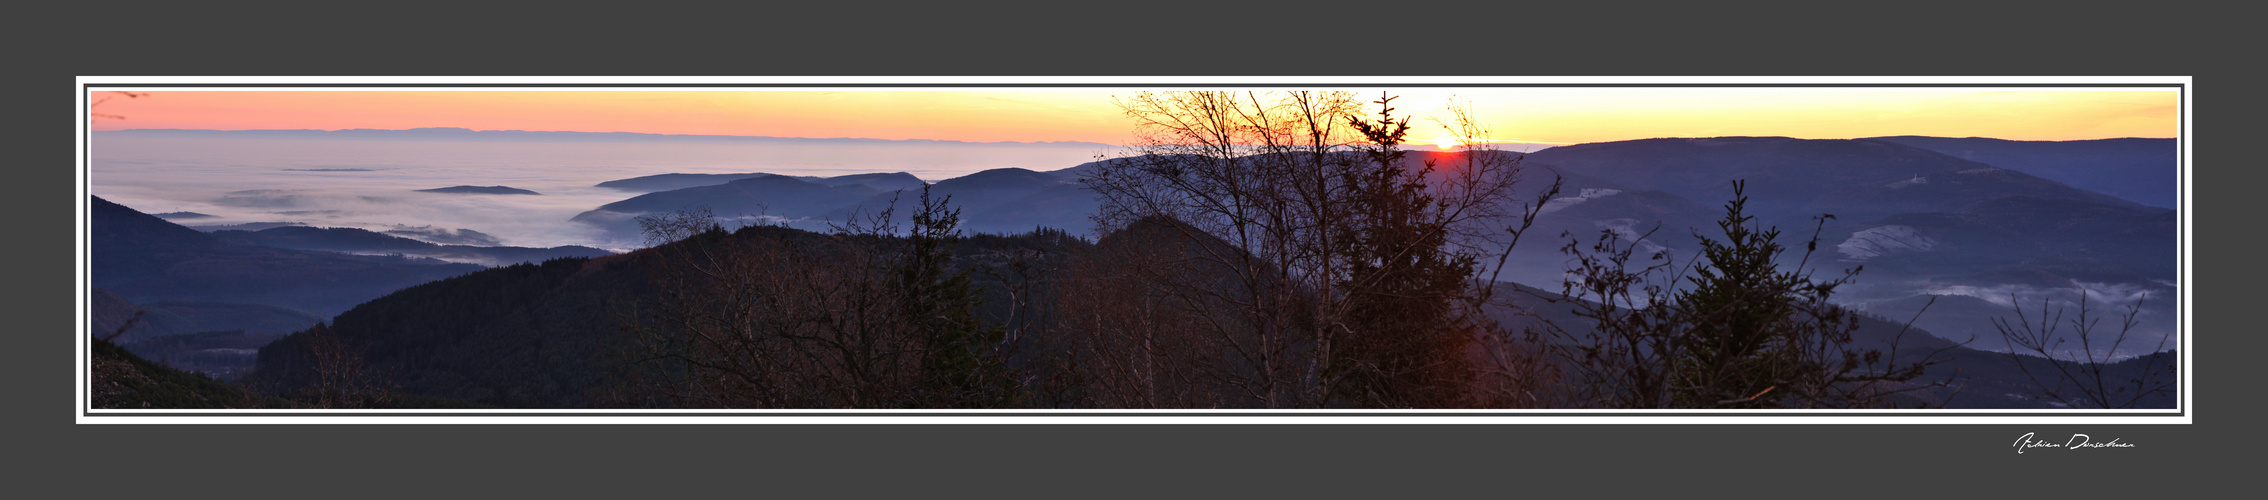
[1142,38]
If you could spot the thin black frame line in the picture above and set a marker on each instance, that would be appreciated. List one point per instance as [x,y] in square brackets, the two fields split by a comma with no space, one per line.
[1146,84]
[84,303]
[1098,414]
[87,187]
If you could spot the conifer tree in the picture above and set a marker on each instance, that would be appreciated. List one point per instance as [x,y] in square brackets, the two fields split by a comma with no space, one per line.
[1343,276]
[1743,327]
[957,363]
[1403,337]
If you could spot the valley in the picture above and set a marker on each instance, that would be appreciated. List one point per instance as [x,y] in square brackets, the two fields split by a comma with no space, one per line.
[451,313]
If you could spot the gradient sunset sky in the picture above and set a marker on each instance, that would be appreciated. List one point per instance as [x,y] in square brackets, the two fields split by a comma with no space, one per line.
[1539,115]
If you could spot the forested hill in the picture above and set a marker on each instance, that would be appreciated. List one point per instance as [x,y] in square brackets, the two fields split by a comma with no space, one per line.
[549,335]
[552,335]
[120,379]
[525,335]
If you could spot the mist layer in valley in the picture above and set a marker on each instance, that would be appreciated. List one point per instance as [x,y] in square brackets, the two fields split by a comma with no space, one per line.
[372,180]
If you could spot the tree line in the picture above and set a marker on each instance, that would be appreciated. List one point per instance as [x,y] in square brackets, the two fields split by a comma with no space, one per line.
[1257,250]
[1261,250]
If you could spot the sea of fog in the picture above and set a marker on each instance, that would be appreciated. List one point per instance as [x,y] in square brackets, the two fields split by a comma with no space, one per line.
[372,184]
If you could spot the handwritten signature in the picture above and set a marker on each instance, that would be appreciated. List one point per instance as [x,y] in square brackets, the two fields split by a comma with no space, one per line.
[2077,441]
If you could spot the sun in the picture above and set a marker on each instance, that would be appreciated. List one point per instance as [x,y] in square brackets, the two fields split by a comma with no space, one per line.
[1459,142]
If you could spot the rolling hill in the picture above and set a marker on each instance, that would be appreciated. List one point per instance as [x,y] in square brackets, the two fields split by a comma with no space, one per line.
[147,260]
[1006,201]
[2134,169]
[480,190]
[1791,180]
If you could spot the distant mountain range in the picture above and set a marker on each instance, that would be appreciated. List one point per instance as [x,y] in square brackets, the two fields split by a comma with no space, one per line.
[465,134]
[1005,200]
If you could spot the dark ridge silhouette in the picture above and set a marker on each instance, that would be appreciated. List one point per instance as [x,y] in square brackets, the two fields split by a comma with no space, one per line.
[670,182]
[445,236]
[248,226]
[883,181]
[987,189]
[768,194]
[1006,200]
[977,195]
[1073,173]
[146,259]
[479,190]
[351,240]
[667,182]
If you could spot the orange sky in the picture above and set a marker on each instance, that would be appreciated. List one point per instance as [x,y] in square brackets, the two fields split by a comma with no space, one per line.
[1546,115]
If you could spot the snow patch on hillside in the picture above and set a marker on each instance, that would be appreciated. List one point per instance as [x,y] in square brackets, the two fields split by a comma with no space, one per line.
[1885,240]
[1588,194]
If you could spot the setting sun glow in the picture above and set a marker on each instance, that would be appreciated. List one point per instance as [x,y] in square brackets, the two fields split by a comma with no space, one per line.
[1537,115]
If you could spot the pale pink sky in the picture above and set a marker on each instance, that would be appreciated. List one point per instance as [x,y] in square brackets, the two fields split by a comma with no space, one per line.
[1544,115]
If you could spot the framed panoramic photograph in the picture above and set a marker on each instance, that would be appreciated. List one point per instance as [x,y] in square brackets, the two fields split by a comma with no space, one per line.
[1515,250]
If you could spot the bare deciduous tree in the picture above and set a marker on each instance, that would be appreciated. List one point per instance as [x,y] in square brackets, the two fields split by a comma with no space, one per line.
[112,95]
[330,372]
[2086,376]
[1143,325]
[1345,274]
